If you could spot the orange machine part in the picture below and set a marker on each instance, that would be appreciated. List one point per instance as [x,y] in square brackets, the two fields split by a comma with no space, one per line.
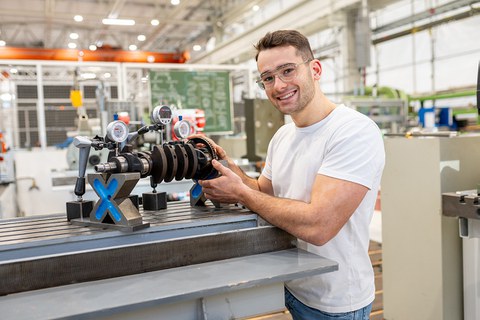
[111,55]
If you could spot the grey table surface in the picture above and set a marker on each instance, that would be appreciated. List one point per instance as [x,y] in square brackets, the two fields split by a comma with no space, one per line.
[130,293]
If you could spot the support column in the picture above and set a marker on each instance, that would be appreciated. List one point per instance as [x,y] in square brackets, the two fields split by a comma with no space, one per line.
[355,48]
[42,131]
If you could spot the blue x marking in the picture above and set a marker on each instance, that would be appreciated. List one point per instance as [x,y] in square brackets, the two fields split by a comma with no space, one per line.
[106,195]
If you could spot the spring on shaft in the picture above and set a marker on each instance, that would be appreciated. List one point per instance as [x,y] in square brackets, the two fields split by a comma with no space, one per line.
[174,160]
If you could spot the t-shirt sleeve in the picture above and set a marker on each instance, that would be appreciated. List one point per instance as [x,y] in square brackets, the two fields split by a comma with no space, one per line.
[355,153]
[267,169]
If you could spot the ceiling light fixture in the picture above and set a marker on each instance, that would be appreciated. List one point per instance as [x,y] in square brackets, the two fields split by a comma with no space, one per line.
[6,97]
[74,36]
[132,47]
[88,75]
[197,47]
[118,22]
[255,8]
[155,22]
[78,18]
[72,45]
[2,43]
[92,47]
[175,2]
[141,37]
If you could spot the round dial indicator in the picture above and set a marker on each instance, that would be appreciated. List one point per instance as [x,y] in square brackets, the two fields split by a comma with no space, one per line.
[161,114]
[117,131]
[182,129]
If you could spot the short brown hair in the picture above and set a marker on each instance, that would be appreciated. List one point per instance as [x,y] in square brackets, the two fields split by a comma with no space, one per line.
[284,38]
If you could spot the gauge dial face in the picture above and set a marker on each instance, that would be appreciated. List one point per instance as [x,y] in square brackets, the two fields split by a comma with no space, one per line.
[117,131]
[161,114]
[182,129]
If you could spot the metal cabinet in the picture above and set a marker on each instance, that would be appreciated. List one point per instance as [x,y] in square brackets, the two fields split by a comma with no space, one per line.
[422,252]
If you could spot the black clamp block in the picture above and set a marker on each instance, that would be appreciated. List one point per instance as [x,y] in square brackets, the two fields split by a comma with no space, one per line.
[154,200]
[77,209]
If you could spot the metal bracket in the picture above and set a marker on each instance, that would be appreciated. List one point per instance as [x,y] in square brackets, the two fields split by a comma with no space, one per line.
[114,209]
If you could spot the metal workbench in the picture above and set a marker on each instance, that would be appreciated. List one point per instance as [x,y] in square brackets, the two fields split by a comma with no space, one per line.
[192,263]
[465,206]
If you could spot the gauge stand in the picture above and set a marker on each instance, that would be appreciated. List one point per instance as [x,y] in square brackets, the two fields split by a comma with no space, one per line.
[153,200]
[80,209]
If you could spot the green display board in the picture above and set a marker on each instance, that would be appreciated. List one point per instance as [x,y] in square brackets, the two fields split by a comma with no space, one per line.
[206,90]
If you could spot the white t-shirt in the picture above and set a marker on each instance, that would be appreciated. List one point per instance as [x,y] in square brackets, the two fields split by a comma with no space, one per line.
[345,145]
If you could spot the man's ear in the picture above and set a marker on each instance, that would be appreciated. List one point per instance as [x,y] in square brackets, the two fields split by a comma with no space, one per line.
[317,69]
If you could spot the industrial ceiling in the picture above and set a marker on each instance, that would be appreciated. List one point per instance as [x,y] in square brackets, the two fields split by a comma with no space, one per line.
[220,29]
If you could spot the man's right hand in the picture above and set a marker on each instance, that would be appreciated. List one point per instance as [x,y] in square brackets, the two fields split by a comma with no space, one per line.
[221,154]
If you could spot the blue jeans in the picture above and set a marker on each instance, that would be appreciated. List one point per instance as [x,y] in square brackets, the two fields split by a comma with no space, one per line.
[300,311]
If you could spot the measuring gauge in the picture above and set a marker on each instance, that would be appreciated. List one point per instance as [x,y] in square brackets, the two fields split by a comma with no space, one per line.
[161,114]
[182,129]
[117,131]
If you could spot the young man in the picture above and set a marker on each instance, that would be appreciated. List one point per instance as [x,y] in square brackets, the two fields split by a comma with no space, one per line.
[320,180]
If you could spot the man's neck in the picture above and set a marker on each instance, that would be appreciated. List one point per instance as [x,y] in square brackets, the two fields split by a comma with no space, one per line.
[317,110]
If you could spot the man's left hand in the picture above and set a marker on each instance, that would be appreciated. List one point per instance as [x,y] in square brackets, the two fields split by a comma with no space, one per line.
[224,189]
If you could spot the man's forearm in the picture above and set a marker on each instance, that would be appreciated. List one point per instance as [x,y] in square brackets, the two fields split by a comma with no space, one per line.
[249,181]
[293,216]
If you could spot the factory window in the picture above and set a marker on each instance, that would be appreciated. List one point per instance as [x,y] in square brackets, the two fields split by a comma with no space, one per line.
[56,92]
[27,91]
[60,116]
[89,92]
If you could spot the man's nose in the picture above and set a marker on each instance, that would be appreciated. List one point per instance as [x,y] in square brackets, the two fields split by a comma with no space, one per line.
[279,83]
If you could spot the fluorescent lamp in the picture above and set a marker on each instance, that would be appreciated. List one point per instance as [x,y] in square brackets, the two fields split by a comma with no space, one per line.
[88,75]
[119,22]
[6,97]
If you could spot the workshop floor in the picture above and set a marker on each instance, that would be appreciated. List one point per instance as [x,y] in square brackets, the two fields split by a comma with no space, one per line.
[285,315]
[375,252]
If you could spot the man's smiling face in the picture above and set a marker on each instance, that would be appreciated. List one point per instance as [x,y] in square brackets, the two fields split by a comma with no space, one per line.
[288,97]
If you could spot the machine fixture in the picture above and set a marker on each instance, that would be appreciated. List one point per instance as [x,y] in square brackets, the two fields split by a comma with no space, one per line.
[116,178]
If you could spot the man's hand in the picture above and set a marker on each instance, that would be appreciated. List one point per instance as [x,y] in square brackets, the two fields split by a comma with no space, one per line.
[225,189]
[221,154]
[233,168]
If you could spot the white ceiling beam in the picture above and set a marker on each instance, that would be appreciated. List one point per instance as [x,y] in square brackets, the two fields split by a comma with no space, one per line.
[117,7]
[179,9]
[298,17]
[49,16]
[450,6]
[240,10]
[66,17]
